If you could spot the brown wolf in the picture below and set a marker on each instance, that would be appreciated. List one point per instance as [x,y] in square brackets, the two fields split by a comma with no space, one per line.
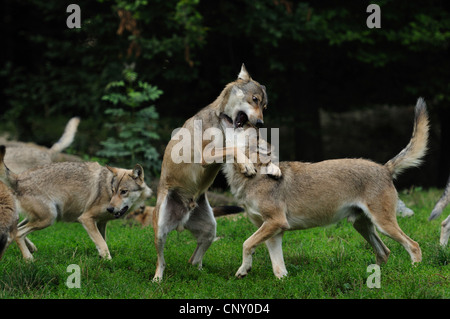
[84,192]
[316,194]
[182,201]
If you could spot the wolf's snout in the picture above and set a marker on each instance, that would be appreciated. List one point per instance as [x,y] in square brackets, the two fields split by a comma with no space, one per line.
[259,123]
[118,213]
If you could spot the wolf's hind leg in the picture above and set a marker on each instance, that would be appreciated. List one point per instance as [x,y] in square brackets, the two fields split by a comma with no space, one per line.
[367,229]
[202,225]
[37,220]
[167,216]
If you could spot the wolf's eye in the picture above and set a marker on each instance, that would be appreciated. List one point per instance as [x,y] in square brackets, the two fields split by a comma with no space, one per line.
[123,192]
[255,99]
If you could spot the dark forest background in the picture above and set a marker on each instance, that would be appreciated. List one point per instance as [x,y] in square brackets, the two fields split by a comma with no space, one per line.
[336,88]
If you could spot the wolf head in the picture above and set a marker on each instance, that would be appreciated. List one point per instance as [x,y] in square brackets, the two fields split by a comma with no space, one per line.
[244,101]
[128,189]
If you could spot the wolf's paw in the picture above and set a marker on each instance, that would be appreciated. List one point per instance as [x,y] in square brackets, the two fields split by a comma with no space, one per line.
[242,272]
[31,247]
[248,169]
[273,170]
[280,274]
[157,279]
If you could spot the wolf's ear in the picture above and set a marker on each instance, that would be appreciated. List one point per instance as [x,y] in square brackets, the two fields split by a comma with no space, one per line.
[138,172]
[243,75]
[112,169]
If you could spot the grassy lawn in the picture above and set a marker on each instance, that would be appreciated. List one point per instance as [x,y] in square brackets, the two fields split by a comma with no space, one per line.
[326,262]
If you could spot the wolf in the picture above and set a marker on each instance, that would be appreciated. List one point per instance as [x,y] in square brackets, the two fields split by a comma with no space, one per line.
[437,211]
[316,194]
[83,192]
[182,202]
[23,156]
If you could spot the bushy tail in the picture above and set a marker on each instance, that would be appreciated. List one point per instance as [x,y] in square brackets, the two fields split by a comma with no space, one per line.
[67,137]
[413,153]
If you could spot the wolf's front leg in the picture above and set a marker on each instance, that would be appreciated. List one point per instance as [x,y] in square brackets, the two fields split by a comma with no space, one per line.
[91,227]
[267,230]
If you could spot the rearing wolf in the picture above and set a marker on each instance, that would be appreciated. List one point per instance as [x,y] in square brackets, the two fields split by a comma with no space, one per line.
[182,201]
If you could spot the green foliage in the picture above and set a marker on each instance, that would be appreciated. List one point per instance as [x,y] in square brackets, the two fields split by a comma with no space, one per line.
[188,16]
[310,55]
[132,123]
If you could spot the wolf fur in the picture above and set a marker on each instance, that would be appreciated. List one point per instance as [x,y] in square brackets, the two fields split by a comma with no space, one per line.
[182,202]
[84,192]
[23,156]
[437,211]
[316,194]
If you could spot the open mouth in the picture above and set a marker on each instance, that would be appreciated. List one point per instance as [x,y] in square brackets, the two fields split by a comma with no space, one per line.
[240,120]
[121,212]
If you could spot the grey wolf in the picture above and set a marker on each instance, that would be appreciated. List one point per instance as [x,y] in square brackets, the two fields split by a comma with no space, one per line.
[437,211]
[8,218]
[83,192]
[316,194]
[182,202]
[23,156]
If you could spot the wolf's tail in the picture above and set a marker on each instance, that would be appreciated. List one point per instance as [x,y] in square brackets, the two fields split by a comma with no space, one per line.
[226,210]
[442,203]
[411,155]
[68,135]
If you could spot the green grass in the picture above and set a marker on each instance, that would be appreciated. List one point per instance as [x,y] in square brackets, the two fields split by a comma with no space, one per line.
[328,262]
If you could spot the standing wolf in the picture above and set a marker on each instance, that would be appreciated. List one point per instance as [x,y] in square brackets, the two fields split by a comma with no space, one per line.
[317,194]
[182,201]
[83,192]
